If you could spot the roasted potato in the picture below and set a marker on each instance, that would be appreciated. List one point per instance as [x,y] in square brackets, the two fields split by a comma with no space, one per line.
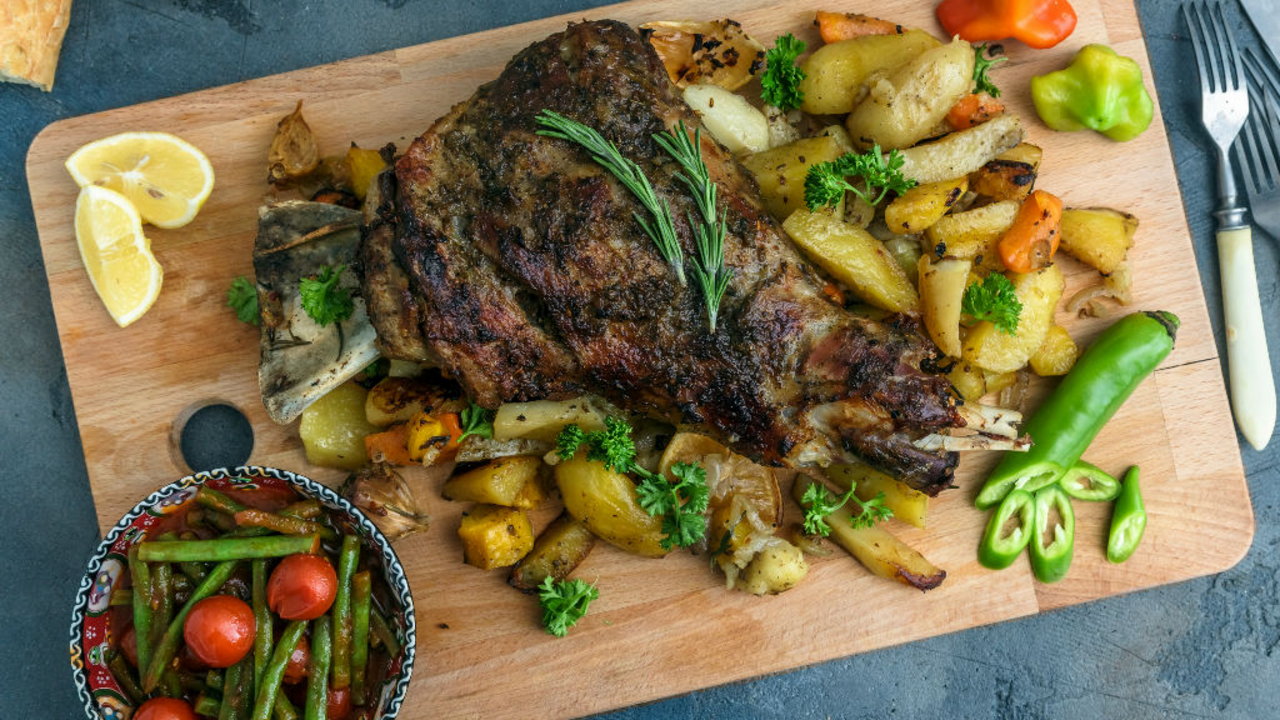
[973,234]
[333,428]
[908,504]
[836,75]
[997,382]
[605,501]
[780,172]
[511,482]
[1003,180]
[1097,237]
[961,152]
[998,352]
[923,205]
[731,120]
[397,399]
[717,52]
[494,537]
[1057,355]
[877,549]
[1024,153]
[557,551]
[908,104]
[777,568]
[905,250]
[942,285]
[853,257]
[968,380]
[544,419]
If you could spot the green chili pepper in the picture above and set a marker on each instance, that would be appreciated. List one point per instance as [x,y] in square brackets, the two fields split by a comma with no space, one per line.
[1102,379]
[1051,560]
[1000,548]
[269,687]
[1128,519]
[1100,91]
[1085,481]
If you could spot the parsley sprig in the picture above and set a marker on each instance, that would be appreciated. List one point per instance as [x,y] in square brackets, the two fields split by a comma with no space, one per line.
[827,182]
[564,603]
[476,421]
[709,270]
[993,299]
[324,299]
[982,64]
[681,504]
[242,297]
[818,503]
[658,225]
[780,83]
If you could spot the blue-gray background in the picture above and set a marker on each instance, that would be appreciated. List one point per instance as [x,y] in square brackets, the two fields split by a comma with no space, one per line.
[1201,648]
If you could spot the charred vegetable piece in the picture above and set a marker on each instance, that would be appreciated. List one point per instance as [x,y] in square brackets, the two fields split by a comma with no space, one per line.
[694,53]
[294,151]
[1002,544]
[1128,520]
[1052,543]
[387,499]
[558,550]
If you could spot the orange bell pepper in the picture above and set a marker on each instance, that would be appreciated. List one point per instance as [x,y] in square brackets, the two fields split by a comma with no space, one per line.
[1038,23]
[390,445]
[1029,244]
[834,27]
[973,109]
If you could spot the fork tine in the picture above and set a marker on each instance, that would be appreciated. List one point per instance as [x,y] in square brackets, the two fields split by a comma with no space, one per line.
[1263,121]
[1190,13]
[1259,73]
[1251,162]
[1231,52]
[1210,41]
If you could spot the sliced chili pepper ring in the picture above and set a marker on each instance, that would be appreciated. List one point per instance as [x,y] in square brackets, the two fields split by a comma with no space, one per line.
[1051,560]
[1030,478]
[1128,519]
[1002,544]
[1085,481]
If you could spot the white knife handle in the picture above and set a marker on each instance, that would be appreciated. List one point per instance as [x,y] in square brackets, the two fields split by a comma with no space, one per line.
[1253,391]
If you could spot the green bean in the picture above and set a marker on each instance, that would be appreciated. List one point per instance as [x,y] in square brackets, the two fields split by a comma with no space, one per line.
[206,706]
[284,710]
[308,509]
[161,600]
[228,548]
[269,686]
[347,559]
[283,524]
[193,683]
[140,574]
[382,631]
[194,571]
[262,620]
[125,679]
[220,521]
[180,584]
[168,645]
[230,708]
[215,500]
[171,683]
[318,674]
[361,603]
[213,679]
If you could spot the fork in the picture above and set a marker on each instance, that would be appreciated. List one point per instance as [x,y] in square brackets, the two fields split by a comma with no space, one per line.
[1224,107]
[1256,147]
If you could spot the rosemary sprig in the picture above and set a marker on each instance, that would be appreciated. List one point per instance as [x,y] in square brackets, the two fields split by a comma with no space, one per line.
[709,270]
[658,227]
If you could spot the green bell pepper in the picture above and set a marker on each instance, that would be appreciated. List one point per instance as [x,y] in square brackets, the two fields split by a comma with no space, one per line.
[1100,91]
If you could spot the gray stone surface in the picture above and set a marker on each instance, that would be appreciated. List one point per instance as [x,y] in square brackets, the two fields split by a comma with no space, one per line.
[1205,648]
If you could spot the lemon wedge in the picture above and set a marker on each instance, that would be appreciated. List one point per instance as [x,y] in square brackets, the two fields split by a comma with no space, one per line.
[116,254]
[165,177]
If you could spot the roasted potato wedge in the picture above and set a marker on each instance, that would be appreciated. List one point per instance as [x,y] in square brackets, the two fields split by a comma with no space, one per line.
[510,482]
[544,419]
[1097,237]
[494,537]
[777,568]
[716,52]
[961,152]
[973,234]
[907,105]
[557,551]
[605,501]
[397,399]
[968,380]
[730,119]
[923,205]
[942,284]
[853,257]
[1024,153]
[1057,355]
[780,172]
[836,75]
[999,352]
[908,504]
[877,549]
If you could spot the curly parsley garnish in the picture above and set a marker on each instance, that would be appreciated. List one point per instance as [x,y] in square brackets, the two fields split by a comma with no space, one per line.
[477,421]
[564,603]
[994,300]
[981,82]
[242,297]
[323,299]
[827,182]
[780,83]
[681,503]
[818,503]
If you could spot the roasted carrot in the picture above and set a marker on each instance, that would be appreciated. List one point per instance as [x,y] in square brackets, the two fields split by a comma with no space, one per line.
[452,425]
[835,27]
[973,109]
[390,445]
[1029,244]
[833,294]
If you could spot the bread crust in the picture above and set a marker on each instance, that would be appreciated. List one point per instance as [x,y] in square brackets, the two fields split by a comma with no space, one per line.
[31,33]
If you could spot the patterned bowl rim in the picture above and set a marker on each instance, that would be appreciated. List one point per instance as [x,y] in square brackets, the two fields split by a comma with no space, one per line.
[392,569]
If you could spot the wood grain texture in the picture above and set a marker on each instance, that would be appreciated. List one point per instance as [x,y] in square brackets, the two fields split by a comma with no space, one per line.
[660,627]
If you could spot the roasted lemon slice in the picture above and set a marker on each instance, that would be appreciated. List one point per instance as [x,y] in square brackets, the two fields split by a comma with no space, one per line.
[116,253]
[165,177]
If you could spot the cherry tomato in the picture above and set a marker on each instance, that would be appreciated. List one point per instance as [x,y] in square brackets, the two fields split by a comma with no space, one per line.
[164,709]
[219,630]
[296,670]
[339,703]
[302,587]
[129,646]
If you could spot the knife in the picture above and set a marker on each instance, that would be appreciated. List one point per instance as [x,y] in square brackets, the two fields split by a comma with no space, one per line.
[1265,16]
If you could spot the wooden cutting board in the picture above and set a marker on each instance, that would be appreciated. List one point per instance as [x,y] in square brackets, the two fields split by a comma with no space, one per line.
[660,627]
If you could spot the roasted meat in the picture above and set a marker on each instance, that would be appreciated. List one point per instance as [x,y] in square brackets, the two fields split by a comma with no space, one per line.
[513,261]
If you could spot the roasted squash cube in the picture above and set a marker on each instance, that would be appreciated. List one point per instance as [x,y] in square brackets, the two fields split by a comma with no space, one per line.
[494,536]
